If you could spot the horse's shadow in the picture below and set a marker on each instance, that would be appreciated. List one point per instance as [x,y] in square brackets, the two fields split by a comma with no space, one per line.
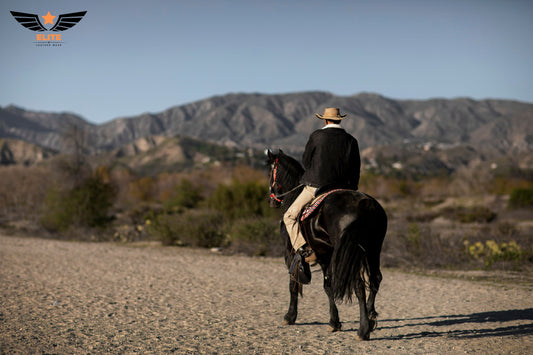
[484,319]
[434,324]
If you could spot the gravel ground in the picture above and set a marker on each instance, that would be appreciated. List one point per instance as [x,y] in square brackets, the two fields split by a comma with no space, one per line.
[72,297]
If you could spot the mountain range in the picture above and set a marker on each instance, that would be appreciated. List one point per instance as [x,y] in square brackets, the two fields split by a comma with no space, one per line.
[486,127]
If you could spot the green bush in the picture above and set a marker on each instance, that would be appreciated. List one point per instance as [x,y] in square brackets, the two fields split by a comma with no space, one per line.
[256,236]
[197,228]
[202,228]
[86,205]
[240,200]
[521,197]
[162,227]
[414,236]
[58,211]
[186,195]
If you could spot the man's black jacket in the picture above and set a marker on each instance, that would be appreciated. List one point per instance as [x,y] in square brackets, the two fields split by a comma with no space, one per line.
[331,158]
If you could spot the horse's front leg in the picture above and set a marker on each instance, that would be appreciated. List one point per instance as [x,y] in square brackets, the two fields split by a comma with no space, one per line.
[292,313]
[334,321]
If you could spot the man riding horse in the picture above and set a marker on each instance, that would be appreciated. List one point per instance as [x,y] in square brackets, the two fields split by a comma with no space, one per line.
[331,160]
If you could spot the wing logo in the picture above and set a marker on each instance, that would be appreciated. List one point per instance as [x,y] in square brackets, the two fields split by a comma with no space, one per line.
[63,23]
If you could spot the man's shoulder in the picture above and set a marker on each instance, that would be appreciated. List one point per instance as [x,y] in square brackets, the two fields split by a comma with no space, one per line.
[332,132]
[329,131]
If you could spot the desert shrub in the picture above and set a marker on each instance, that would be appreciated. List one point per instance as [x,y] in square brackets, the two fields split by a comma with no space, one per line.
[186,195]
[434,188]
[21,189]
[479,214]
[491,252]
[197,228]
[416,245]
[521,197]
[240,200]
[202,228]
[57,214]
[413,236]
[142,189]
[421,217]
[499,246]
[162,227]
[86,205]
[255,236]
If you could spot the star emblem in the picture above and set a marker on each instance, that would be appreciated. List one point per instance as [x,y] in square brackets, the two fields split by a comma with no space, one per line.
[48,18]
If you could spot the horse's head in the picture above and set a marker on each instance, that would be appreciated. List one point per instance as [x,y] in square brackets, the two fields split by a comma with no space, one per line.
[285,173]
[274,186]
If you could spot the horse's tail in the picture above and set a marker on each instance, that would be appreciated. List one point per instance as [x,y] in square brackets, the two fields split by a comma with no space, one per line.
[348,262]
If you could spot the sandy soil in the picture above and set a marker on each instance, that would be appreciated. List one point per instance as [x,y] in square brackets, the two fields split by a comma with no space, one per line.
[71,297]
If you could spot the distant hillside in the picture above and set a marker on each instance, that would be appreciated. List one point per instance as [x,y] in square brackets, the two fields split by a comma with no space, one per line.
[156,154]
[20,152]
[488,127]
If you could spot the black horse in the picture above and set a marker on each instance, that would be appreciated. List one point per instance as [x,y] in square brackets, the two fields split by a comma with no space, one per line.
[346,233]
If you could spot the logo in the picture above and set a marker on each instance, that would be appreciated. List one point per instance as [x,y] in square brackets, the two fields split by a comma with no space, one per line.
[63,23]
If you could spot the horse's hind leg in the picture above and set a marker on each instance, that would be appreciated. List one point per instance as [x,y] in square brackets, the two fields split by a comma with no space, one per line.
[334,321]
[364,327]
[375,280]
[292,313]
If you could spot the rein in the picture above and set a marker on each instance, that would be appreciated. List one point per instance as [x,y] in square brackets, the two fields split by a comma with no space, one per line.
[278,197]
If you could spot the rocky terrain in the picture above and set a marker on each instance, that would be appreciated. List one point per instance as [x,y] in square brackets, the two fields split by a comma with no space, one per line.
[14,151]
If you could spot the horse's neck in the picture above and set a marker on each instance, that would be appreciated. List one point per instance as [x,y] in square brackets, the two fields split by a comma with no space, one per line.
[289,199]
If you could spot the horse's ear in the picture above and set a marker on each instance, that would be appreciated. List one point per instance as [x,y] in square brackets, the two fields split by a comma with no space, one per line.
[268,153]
[280,151]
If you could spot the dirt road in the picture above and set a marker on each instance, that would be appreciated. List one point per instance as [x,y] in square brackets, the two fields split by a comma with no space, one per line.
[71,297]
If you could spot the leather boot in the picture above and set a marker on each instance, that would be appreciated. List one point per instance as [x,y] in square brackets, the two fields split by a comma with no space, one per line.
[308,254]
[311,259]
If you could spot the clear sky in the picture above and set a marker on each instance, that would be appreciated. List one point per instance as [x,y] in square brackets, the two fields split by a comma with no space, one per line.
[129,57]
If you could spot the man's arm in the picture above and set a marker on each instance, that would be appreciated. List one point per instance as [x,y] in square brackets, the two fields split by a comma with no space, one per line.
[307,157]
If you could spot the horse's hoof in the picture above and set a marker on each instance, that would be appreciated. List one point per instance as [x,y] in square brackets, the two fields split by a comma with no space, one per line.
[335,327]
[287,322]
[360,338]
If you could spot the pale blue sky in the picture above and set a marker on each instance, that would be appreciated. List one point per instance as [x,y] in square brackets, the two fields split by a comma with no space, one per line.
[129,57]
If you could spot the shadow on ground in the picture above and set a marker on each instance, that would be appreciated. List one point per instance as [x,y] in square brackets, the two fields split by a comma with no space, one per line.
[483,319]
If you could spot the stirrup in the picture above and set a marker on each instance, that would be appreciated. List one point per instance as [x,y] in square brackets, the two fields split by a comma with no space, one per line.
[308,254]
[300,270]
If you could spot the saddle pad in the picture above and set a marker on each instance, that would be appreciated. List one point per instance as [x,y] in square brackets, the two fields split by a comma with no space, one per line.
[312,207]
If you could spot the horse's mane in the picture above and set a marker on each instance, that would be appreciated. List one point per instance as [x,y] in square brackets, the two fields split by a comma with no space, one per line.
[291,171]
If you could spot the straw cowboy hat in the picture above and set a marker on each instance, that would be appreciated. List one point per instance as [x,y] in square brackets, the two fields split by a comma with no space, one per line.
[331,113]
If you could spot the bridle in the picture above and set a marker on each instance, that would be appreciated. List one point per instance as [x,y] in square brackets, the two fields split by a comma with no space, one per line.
[273,175]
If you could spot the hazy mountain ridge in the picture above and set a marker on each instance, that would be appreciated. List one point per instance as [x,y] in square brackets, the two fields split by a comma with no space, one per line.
[285,121]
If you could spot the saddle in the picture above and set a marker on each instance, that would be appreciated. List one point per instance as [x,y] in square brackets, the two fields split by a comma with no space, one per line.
[320,195]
